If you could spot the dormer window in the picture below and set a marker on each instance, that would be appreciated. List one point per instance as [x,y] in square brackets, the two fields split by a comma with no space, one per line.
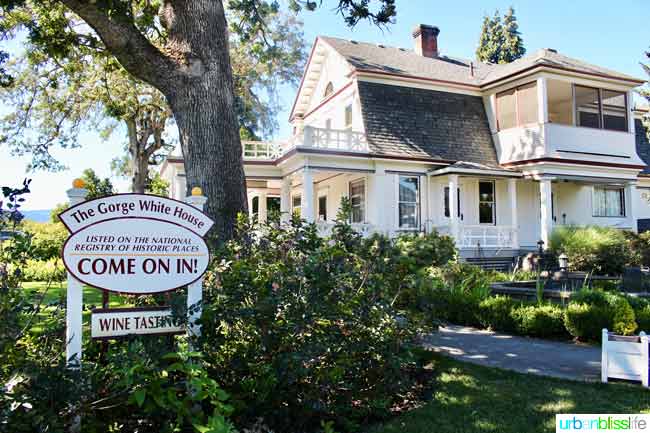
[329,89]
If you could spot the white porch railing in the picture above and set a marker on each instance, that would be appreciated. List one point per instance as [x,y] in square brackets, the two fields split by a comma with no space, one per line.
[487,236]
[325,228]
[311,138]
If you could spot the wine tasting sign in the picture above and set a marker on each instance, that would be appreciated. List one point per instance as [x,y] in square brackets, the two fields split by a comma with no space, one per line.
[136,244]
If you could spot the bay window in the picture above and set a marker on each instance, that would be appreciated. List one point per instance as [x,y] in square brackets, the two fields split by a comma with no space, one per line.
[409,202]
[358,201]
[608,202]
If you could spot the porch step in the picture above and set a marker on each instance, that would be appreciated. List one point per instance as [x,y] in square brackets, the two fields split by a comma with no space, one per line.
[502,264]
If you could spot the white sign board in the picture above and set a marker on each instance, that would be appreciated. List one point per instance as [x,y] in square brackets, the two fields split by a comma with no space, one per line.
[136,244]
[120,322]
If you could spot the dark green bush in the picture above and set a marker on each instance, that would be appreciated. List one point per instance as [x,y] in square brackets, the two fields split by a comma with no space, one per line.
[424,250]
[544,321]
[591,311]
[456,307]
[597,249]
[495,313]
[302,330]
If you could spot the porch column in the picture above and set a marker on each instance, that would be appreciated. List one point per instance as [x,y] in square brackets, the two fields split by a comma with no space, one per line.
[262,213]
[307,199]
[251,196]
[512,192]
[630,198]
[546,203]
[454,223]
[285,200]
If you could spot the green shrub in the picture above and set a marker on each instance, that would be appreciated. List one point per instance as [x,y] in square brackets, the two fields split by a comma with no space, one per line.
[591,311]
[495,313]
[641,307]
[424,250]
[601,250]
[464,278]
[302,330]
[456,307]
[544,321]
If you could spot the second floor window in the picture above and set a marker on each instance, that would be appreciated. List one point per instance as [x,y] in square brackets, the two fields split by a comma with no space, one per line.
[348,117]
[517,107]
[329,90]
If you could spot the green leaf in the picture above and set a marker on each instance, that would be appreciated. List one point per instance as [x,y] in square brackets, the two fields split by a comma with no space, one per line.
[139,396]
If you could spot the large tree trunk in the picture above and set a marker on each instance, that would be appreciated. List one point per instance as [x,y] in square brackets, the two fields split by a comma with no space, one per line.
[193,71]
[204,109]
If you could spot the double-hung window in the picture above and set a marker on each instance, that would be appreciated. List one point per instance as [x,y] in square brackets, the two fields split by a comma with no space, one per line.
[517,107]
[409,202]
[358,201]
[348,117]
[486,202]
[609,202]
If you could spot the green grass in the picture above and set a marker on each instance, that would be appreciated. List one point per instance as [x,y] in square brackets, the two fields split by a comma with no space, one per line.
[55,293]
[469,398]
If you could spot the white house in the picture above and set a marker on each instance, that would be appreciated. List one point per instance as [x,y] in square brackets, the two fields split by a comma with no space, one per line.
[494,155]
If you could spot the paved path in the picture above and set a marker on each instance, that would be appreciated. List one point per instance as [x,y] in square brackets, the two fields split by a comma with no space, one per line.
[526,355]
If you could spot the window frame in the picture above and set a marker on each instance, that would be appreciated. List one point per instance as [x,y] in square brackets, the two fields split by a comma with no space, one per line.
[295,208]
[362,202]
[348,109]
[318,211]
[493,202]
[329,90]
[418,203]
[446,201]
[518,123]
[622,198]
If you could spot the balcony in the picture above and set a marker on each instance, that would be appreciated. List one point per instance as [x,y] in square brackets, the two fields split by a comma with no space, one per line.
[325,140]
[552,140]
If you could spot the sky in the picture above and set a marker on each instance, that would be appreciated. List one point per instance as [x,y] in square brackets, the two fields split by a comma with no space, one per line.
[610,34]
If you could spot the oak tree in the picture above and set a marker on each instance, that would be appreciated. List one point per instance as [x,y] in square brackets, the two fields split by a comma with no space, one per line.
[181,48]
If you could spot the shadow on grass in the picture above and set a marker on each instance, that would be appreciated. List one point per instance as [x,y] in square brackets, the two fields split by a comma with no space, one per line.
[469,398]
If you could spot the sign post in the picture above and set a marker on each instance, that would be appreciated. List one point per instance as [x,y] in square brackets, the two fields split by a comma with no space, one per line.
[74,295]
[135,244]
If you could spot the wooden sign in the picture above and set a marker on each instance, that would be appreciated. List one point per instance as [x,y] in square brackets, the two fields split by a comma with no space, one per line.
[136,244]
[120,322]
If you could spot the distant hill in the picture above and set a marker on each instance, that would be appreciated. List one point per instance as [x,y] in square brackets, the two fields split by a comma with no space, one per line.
[40,216]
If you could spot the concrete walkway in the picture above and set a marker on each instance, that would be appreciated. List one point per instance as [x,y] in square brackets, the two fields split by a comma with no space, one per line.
[525,355]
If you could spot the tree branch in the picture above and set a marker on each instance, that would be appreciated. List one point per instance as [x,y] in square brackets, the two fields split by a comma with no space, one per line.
[131,48]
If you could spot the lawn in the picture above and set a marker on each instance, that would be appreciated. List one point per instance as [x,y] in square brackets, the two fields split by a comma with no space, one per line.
[469,398]
[55,294]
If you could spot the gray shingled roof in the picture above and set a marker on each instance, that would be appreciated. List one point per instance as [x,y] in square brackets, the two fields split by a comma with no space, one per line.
[379,58]
[406,121]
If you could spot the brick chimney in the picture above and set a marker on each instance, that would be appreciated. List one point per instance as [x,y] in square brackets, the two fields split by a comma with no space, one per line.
[426,40]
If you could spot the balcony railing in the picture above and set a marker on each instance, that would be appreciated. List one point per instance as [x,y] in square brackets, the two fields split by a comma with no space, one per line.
[311,138]
[325,228]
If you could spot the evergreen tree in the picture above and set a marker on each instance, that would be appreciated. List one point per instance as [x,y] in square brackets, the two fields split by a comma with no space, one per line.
[500,41]
[513,44]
